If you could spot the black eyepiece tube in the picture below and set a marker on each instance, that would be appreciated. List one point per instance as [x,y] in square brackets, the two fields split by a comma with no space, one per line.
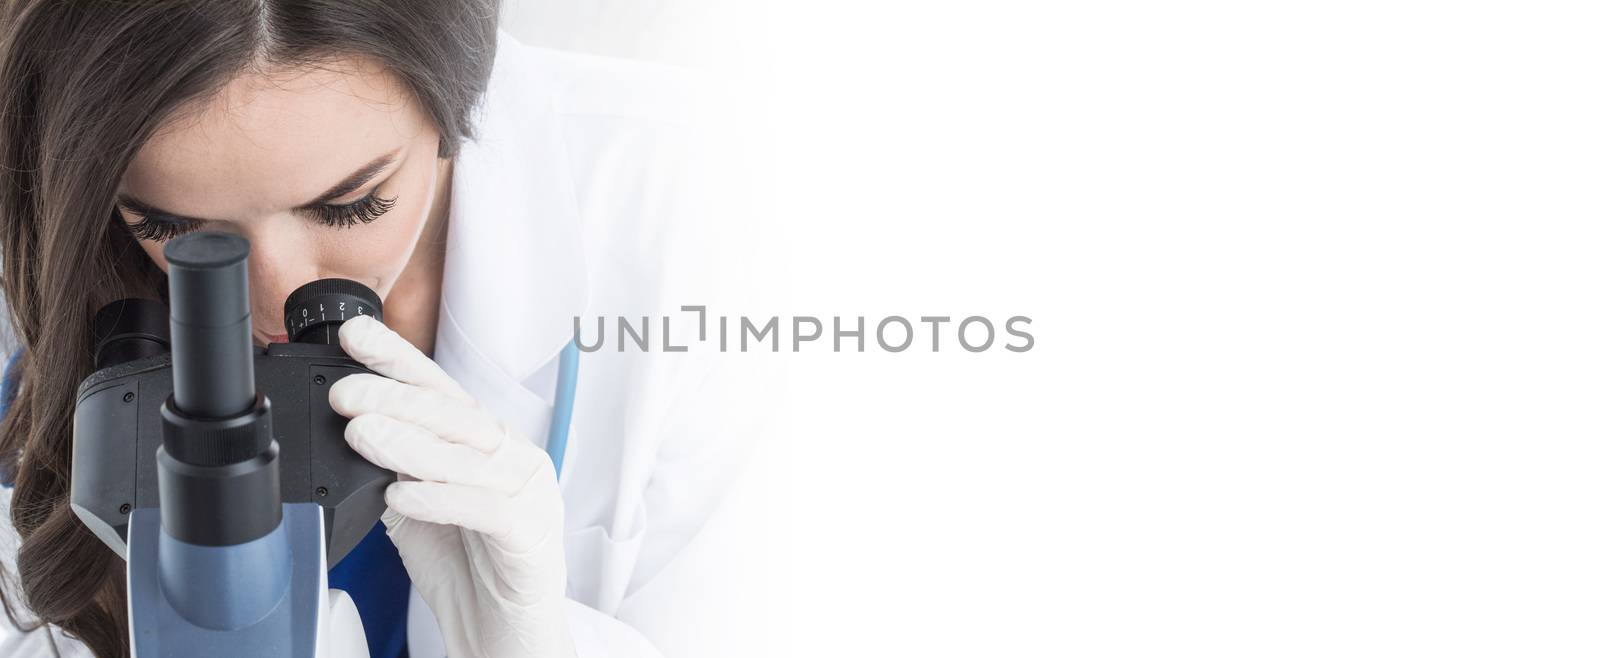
[131,329]
[217,466]
[213,368]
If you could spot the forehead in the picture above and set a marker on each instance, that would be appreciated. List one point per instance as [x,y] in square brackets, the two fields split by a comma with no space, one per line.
[273,139]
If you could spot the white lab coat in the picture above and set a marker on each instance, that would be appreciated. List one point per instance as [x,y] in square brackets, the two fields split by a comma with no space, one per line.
[586,193]
[579,197]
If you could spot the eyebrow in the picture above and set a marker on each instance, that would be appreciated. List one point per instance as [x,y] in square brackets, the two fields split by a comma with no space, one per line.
[350,184]
[354,181]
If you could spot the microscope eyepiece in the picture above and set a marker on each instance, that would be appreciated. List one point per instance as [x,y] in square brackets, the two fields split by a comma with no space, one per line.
[218,462]
[213,374]
[130,329]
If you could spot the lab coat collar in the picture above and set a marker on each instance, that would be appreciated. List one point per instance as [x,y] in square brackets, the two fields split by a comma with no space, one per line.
[515,275]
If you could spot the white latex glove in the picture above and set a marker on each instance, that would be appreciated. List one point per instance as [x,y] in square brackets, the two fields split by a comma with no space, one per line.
[476,514]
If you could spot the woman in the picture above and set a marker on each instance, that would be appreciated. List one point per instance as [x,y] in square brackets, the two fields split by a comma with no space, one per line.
[488,191]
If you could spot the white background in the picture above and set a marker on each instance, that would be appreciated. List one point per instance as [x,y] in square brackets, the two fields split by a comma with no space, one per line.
[1314,293]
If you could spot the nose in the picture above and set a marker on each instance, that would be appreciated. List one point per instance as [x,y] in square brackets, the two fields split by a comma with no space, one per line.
[280,261]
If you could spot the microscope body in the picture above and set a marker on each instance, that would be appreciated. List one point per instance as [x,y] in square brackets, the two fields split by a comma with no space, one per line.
[218,470]
[118,426]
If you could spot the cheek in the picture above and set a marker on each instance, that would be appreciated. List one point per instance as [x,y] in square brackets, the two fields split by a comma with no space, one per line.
[156,252]
[379,251]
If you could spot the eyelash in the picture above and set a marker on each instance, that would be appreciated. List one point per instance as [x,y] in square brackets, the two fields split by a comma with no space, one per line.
[361,211]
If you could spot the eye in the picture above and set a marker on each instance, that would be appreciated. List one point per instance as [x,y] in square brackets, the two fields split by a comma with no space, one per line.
[360,211]
[158,228]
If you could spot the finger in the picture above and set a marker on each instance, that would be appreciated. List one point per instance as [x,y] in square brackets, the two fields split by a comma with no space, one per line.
[469,507]
[392,519]
[387,353]
[453,420]
[520,523]
[411,450]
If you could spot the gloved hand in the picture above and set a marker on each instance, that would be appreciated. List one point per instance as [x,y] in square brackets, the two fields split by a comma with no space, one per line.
[476,515]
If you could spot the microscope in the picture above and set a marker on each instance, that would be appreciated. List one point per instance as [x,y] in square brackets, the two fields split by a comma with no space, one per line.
[217,469]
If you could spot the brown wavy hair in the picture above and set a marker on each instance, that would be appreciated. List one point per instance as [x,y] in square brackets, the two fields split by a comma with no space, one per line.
[83,83]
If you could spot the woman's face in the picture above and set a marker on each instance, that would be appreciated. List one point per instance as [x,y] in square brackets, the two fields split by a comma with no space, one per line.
[328,171]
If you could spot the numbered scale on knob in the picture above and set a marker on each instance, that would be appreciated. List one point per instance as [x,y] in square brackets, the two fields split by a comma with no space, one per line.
[314,311]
